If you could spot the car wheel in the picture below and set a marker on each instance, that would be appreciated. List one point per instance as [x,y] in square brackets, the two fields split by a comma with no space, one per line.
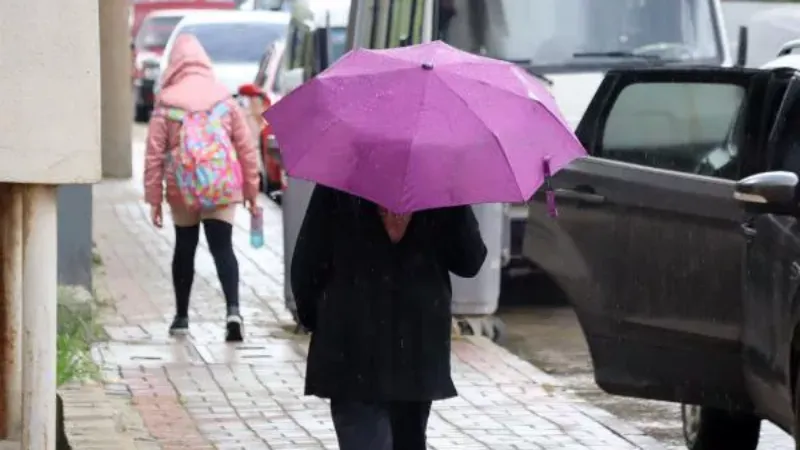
[716,429]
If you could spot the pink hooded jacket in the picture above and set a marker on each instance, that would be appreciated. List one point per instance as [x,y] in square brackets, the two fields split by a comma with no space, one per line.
[190,84]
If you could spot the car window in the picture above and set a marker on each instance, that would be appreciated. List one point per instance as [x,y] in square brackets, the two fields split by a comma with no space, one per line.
[155,31]
[298,43]
[687,127]
[308,57]
[242,42]
[788,140]
[337,43]
[405,27]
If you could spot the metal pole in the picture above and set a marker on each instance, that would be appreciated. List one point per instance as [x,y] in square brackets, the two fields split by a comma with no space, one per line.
[12,308]
[40,289]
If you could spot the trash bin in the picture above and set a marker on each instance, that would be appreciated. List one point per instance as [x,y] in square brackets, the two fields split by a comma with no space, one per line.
[479,296]
[473,297]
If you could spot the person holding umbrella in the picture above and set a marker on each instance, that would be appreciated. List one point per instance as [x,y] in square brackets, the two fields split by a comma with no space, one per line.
[400,142]
[374,289]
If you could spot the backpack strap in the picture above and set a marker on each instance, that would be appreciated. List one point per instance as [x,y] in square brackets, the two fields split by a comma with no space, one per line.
[170,113]
[219,110]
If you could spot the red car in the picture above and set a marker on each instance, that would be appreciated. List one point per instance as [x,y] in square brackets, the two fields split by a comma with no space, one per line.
[152,22]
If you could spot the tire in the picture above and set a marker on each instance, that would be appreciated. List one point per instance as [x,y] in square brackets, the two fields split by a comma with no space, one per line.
[707,428]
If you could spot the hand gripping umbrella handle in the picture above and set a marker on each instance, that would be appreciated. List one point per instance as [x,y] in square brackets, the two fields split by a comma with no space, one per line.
[550,195]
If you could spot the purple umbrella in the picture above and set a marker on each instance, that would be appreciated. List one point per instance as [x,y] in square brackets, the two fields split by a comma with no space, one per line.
[422,127]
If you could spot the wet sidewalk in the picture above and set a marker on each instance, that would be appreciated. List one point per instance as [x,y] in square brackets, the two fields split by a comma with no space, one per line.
[200,393]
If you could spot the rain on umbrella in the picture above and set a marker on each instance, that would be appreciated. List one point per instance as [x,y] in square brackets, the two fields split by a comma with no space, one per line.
[422,127]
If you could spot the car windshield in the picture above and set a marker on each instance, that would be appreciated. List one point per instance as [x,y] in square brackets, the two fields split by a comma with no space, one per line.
[241,42]
[155,31]
[338,42]
[565,34]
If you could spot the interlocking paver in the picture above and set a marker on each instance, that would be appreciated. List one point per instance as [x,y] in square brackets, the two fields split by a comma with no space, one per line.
[200,393]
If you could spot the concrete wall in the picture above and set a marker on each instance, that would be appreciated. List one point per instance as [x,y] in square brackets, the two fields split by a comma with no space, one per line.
[75,235]
[50,73]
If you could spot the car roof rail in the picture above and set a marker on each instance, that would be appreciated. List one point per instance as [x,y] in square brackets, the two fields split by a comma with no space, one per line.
[788,47]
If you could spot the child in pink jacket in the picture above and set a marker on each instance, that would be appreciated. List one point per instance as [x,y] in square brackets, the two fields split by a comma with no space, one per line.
[189,84]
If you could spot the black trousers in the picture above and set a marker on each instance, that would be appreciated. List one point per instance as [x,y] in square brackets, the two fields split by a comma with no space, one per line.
[380,426]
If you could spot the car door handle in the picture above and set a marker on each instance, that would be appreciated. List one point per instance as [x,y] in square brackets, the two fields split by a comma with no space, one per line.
[585,194]
[748,230]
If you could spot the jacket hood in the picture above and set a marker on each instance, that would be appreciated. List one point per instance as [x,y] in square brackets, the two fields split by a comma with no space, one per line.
[189,82]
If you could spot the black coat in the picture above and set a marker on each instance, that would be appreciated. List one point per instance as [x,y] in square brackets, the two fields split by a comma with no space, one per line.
[379,312]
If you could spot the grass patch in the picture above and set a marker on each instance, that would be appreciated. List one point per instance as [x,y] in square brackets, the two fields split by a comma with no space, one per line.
[77,331]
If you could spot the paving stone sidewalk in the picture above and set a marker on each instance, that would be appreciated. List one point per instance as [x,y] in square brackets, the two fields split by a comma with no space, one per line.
[200,393]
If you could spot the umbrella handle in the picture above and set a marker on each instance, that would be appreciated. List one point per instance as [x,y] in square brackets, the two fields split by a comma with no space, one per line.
[550,195]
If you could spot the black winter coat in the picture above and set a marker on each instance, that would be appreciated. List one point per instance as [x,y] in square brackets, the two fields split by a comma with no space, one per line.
[379,312]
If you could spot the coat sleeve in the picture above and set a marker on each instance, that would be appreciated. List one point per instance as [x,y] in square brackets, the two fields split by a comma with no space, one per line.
[246,150]
[154,162]
[313,255]
[462,248]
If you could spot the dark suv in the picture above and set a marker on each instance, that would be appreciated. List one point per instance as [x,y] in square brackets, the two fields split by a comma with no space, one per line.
[678,244]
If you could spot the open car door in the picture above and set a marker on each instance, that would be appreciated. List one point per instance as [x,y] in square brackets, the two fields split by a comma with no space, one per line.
[647,243]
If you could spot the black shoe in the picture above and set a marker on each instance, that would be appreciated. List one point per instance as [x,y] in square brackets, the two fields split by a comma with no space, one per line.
[234,326]
[179,327]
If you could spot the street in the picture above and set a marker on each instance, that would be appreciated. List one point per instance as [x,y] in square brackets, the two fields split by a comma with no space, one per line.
[548,336]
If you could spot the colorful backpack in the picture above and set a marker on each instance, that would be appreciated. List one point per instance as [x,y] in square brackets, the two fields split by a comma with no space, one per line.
[205,163]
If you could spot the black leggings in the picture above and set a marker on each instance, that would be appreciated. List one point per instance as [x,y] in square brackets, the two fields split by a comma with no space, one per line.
[219,237]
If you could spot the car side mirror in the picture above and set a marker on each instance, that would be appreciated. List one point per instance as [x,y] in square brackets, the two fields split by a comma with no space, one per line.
[293,79]
[768,189]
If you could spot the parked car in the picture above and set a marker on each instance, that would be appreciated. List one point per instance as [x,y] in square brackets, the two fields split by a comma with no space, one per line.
[684,279]
[234,40]
[148,47]
[142,8]
[262,93]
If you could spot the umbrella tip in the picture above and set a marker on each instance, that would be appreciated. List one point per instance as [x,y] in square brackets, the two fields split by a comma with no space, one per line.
[427,66]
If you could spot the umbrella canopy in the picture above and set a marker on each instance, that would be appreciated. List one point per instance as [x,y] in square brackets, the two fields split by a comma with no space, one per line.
[424,126]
